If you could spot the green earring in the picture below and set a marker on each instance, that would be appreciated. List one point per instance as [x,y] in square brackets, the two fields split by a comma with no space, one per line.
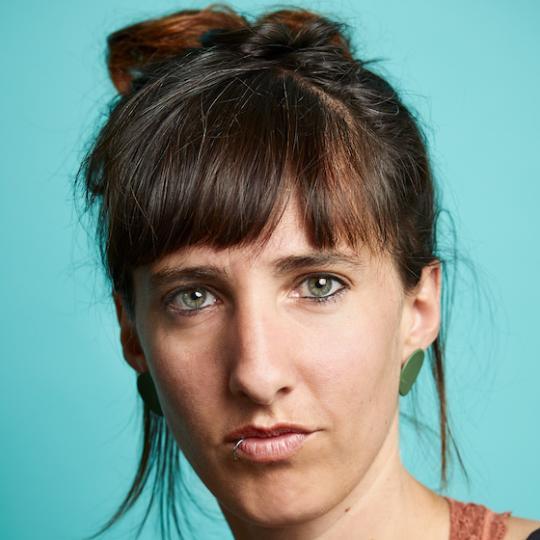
[410,371]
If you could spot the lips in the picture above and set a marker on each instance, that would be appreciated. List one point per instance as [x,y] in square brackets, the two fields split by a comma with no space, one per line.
[262,432]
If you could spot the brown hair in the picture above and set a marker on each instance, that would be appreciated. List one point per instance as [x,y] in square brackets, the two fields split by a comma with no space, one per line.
[217,123]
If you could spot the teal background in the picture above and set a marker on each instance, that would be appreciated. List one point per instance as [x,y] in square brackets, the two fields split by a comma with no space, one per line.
[70,412]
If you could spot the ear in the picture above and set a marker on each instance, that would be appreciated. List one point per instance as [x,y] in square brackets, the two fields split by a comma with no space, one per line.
[131,347]
[423,307]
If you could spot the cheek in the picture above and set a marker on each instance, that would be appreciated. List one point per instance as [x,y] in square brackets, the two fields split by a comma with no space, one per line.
[188,379]
[354,361]
[355,378]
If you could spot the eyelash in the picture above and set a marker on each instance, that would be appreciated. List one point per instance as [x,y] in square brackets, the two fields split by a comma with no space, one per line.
[334,297]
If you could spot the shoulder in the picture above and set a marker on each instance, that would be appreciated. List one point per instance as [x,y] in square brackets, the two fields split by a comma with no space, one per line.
[470,519]
[520,528]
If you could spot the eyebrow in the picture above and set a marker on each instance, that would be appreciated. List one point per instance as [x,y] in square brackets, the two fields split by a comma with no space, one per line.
[281,266]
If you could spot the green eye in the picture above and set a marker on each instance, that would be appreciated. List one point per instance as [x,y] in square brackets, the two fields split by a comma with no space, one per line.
[193,298]
[320,285]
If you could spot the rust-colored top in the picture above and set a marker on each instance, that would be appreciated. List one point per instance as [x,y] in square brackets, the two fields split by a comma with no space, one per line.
[471,521]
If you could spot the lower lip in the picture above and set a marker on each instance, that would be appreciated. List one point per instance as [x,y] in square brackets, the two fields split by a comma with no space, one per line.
[266,449]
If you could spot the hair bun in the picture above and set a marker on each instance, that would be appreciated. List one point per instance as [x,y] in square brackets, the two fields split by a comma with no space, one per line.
[282,32]
[133,47]
[294,30]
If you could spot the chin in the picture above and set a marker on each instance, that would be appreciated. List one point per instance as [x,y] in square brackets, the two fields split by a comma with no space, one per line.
[277,507]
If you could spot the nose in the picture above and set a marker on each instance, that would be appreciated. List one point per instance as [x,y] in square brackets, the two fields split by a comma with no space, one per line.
[261,366]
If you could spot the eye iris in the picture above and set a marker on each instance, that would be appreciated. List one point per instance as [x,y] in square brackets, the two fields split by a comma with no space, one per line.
[323,285]
[194,298]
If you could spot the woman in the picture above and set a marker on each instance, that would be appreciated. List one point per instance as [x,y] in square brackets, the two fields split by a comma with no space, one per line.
[267,218]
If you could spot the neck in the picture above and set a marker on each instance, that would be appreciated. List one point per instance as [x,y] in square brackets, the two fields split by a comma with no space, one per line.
[387,503]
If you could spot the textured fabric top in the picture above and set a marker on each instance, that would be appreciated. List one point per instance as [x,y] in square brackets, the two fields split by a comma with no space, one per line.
[471,521]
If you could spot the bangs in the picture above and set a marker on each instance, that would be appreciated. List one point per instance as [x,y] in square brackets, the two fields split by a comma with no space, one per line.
[218,167]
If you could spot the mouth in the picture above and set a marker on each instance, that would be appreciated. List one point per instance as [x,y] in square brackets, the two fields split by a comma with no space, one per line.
[268,449]
[264,445]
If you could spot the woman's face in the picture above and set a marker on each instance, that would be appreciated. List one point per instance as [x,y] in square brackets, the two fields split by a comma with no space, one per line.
[245,342]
